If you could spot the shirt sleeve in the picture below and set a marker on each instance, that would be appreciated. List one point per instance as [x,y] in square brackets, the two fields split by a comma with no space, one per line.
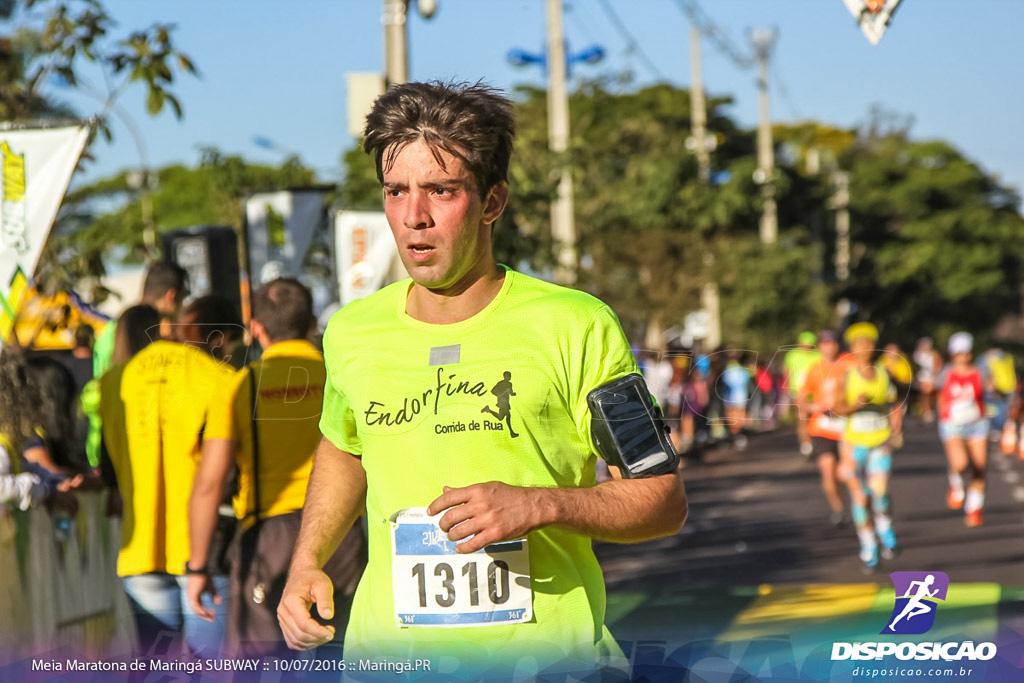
[220,413]
[20,489]
[103,349]
[337,421]
[605,356]
[812,383]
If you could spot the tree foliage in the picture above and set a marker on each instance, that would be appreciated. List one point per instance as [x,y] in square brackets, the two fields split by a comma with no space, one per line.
[650,233]
[103,221]
[57,38]
[937,241]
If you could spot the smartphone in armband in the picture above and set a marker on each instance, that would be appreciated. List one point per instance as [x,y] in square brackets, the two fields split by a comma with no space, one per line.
[628,430]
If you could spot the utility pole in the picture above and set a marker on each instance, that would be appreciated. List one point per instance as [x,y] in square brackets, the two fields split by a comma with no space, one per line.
[563,230]
[709,299]
[841,203]
[396,58]
[763,42]
[698,109]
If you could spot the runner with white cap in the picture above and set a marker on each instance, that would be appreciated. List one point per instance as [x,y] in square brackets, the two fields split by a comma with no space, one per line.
[963,428]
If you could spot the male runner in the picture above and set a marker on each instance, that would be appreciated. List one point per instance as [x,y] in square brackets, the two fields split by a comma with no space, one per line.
[480,541]
[818,399]
[796,363]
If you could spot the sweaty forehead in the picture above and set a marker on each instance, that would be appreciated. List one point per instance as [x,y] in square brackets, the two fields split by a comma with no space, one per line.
[423,158]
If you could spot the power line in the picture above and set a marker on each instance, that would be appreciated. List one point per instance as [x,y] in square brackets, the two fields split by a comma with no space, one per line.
[717,36]
[631,43]
[784,91]
[578,18]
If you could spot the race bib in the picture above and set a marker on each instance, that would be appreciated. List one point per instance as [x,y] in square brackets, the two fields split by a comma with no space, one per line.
[831,423]
[867,423]
[962,412]
[436,587]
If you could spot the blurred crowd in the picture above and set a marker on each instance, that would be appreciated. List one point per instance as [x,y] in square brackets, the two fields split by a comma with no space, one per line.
[202,431]
[163,411]
[847,396]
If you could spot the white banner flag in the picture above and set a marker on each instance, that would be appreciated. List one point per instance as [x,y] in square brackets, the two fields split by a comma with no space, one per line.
[37,164]
[367,258]
[273,256]
[873,16]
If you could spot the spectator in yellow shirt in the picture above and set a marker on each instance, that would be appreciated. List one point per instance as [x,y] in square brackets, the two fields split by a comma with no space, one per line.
[157,410]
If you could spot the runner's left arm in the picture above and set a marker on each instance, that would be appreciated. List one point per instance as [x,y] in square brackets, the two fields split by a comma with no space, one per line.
[621,510]
[207,491]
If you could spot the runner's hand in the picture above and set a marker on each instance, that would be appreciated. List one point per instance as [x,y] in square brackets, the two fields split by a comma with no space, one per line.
[305,588]
[199,584]
[491,512]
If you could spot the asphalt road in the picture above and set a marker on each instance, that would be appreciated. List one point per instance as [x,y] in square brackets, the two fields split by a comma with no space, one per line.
[758,586]
[759,517]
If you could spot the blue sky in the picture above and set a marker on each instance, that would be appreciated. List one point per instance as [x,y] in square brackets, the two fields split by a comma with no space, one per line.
[276,68]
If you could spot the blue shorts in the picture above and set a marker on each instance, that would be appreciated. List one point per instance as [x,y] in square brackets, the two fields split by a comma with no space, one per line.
[968,431]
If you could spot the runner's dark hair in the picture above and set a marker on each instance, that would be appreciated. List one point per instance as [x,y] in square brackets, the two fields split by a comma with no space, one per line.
[137,327]
[472,122]
[161,278]
[285,309]
[19,404]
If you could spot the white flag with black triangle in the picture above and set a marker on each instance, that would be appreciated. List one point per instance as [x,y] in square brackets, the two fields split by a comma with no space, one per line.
[873,16]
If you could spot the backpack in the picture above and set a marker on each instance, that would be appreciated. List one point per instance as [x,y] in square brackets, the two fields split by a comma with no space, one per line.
[1004,376]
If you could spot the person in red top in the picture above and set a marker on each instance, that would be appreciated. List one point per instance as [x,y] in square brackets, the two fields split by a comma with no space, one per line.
[817,399]
[963,428]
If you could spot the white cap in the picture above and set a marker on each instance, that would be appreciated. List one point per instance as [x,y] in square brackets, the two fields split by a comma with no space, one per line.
[961,342]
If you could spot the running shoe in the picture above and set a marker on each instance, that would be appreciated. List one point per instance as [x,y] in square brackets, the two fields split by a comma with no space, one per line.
[955,498]
[837,518]
[1008,439]
[973,518]
[806,449]
[869,559]
[740,442]
[890,547]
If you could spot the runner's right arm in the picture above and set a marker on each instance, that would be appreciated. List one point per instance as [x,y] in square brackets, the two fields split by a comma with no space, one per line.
[334,500]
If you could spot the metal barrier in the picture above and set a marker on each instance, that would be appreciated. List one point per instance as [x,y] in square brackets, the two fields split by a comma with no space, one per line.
[59,588]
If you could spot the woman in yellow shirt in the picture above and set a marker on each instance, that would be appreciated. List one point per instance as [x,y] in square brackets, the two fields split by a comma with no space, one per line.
[867,397]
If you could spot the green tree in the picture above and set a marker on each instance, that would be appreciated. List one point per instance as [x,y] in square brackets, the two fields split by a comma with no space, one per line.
[210,194]
[54,41]
[649,232]
[936,241]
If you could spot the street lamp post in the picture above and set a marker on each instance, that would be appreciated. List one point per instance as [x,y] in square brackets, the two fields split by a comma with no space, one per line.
[396,55]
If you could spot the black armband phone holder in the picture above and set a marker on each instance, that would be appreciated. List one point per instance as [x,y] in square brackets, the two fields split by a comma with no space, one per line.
[628,429]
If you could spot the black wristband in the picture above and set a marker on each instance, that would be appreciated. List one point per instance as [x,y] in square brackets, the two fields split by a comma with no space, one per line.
[204,570]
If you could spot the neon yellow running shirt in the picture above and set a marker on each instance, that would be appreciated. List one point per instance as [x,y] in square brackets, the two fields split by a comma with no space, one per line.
[868,426]
[500,396]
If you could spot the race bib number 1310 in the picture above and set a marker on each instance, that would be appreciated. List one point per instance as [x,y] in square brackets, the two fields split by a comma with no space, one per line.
[436,587]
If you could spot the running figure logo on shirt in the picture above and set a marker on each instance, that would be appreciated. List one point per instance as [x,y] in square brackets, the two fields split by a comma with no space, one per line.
[503,391]
[917,596]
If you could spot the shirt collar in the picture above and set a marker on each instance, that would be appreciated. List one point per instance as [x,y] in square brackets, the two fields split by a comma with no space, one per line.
[291,347]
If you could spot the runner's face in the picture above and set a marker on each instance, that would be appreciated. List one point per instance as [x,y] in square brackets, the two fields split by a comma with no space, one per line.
[828,349]
[962,359]
[441,225]
[861,347]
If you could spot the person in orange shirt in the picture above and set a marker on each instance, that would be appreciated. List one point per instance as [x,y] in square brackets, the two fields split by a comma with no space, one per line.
[817,399]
